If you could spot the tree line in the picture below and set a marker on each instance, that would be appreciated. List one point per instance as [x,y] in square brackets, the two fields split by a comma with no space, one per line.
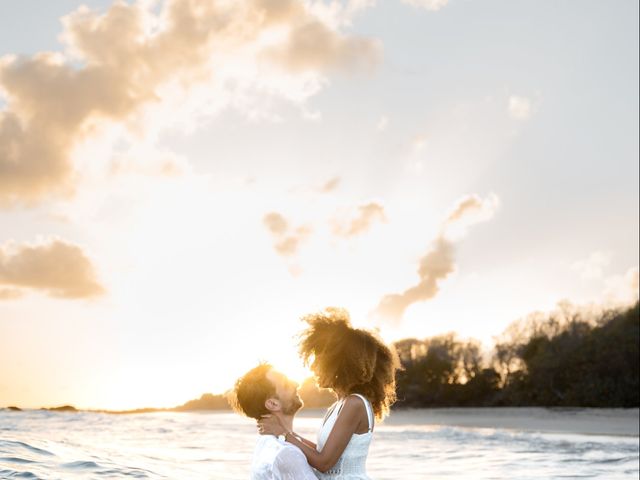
[571,358]
[568,358]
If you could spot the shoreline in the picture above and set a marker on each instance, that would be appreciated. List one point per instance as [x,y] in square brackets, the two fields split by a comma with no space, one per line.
[583,421]
[578,420]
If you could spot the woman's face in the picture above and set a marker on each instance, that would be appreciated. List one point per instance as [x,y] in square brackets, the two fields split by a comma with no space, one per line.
[321,379]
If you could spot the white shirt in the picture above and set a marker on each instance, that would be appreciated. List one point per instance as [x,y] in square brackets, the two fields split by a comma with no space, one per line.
[274,459]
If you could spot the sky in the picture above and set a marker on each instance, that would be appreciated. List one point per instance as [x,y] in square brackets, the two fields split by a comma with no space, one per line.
[182,180]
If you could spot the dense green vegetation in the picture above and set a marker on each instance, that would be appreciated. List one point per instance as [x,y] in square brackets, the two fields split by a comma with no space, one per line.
[568,358]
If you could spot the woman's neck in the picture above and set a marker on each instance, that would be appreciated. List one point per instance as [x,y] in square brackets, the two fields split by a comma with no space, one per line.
[342,395]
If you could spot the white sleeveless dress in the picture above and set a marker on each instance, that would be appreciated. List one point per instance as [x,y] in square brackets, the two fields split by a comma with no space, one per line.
[352,464]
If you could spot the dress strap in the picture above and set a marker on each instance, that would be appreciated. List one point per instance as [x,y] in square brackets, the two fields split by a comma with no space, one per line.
[367,405]
[330,412]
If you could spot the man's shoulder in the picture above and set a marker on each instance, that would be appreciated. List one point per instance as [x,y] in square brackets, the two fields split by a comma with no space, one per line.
[273,443]
[287,449]
[267,445]
[281,460]
[264,457]
[268,448]
[291,459]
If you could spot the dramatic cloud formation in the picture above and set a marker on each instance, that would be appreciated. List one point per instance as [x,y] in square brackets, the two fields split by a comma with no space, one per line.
[439,262]
[520,108]
[130,58]
[287,240]
[360,222]
[59,269]
[433,5]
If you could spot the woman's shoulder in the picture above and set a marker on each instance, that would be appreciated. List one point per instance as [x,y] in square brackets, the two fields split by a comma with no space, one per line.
[357,398]
[354,403]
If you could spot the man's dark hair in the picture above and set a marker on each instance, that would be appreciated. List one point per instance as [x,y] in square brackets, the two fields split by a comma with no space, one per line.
[251,391]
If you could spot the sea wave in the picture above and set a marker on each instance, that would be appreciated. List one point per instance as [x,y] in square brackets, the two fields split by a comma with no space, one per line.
[57,445]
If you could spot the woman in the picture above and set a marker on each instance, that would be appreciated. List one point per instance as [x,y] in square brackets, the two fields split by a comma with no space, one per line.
[360,369]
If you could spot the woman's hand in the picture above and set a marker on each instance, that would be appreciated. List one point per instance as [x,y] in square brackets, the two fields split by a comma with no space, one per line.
[270,425]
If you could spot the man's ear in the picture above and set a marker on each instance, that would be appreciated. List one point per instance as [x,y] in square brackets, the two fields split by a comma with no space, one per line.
[272,404]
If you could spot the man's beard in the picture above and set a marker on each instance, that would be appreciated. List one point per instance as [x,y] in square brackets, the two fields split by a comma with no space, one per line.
[293,406]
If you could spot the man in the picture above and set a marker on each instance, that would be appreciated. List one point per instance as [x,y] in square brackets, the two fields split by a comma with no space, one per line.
[262,391]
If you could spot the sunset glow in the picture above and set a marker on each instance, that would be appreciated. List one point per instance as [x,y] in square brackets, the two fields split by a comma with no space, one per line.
[182,181]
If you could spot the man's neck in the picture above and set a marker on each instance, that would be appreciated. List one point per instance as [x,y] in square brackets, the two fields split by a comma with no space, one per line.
[287,420]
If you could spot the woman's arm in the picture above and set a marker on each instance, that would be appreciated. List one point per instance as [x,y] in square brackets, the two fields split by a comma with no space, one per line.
[309,443]
[271,425]
[346,425]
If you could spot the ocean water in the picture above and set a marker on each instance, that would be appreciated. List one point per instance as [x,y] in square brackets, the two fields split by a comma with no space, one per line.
[56,445]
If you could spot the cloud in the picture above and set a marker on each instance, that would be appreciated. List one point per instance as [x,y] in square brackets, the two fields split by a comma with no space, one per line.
[276,223]
[287,240]
[57,268]
[623,289]
[120,63]
[340,13]
[10,293]
[362,221]
[327,186]
[149,162]
[313,44]
[468,211]
[472,209]
[435,266]
[432,5]
[520,108]
[633,280]
[593,266]
[330,185]
[439,261]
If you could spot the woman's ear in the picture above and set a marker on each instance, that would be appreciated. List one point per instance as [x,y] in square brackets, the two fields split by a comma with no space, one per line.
[272,404]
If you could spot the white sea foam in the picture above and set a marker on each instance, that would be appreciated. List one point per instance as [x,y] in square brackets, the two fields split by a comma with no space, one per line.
[56,445]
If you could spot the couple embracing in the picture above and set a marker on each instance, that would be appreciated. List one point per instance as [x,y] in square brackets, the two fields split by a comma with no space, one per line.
[360,370]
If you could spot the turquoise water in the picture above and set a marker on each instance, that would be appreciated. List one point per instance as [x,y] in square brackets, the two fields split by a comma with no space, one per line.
[50,445]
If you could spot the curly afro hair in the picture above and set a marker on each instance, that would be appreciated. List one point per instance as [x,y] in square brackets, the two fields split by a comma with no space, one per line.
[350,360]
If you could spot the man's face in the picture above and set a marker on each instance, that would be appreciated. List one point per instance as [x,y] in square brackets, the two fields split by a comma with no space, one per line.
[286,392]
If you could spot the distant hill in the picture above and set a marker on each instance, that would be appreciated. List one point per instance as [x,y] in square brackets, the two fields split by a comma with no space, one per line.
[310,394]
[64,408]
[207,401]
